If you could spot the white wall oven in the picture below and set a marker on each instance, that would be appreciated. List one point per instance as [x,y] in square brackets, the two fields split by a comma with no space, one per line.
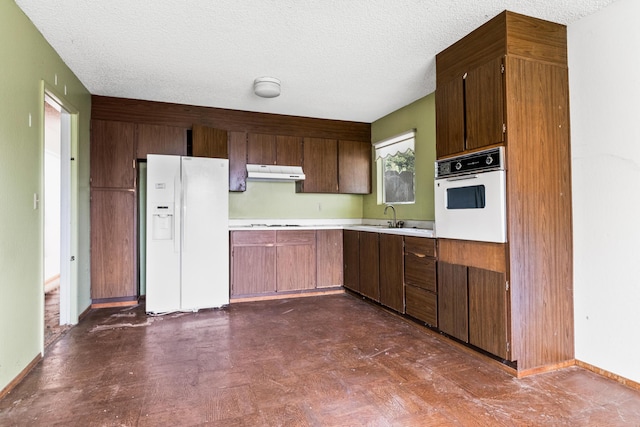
[470,197]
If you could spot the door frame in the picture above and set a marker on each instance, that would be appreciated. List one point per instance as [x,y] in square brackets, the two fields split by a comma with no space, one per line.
[69,205]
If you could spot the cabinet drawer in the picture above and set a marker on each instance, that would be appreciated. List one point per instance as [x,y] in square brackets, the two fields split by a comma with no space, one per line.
[296,237]
[420,272]
[420,246]
[256,237]
[421,304]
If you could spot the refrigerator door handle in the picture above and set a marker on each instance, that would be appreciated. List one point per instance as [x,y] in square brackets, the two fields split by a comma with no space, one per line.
[178,217]
[185,193]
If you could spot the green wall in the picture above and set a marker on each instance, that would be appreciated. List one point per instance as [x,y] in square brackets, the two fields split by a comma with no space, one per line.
[419,115]
[279,200]
[28,60]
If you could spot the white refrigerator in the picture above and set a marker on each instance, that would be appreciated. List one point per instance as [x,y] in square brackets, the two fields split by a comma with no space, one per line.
[187,233]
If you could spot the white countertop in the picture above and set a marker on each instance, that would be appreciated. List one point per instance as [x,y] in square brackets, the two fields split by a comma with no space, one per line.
[411,228]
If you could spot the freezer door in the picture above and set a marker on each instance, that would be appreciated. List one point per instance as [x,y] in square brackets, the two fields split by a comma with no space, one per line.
[163,233]
[205,233]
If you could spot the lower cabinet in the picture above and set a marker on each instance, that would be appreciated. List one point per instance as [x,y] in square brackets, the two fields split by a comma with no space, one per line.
[253,262]
[271,261]
[453,302]
[391,251]
[369,265]
[113,248]
[488,320]
[295,260]
[472,306]
[329,258]
[351,259]
[421,291]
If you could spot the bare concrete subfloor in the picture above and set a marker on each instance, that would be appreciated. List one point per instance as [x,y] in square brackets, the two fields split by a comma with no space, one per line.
[319,361]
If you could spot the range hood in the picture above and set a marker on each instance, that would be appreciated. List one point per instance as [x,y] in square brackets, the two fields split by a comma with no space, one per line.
[274,173]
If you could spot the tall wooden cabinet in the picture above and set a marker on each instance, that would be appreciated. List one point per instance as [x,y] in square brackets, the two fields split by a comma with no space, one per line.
[113,212]
[506,83]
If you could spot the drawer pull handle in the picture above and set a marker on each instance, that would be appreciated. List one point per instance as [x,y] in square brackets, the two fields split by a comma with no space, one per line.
[419,255]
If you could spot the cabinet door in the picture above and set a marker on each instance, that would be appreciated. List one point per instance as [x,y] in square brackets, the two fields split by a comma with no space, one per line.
[419,263]
[391,271]
[253,270]
[209,142]
[289,150]
[351,254]
[112,154]
[488,327]
[369,265]
[450,124]
[113,244]
[155,139]
[329,258]
[422,304]
[253,262]
[484,104]
[453,306]
[354,167]
[320,166]
[261,149]
[296,260]
[237,161]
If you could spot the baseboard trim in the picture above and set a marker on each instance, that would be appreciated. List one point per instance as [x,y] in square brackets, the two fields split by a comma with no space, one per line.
[20,376]
[604,373]
[286,295]
[546,368]
[84,313]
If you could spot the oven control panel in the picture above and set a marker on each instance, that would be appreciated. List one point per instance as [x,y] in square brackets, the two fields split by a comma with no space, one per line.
[480,161]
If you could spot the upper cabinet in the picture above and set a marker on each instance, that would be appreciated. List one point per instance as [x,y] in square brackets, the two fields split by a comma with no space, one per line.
[354,167]
[157,139]
[471,97]
[320,166]
[470,110]
[209,142]
[112,154]
[336,166]
[274,150]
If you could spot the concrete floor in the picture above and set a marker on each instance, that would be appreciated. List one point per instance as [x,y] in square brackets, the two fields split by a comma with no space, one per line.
[319,361]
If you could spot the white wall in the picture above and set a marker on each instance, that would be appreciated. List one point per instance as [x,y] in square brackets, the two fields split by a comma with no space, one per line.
[604,81]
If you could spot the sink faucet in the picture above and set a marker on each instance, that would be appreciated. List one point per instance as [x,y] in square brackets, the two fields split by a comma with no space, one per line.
[394,223]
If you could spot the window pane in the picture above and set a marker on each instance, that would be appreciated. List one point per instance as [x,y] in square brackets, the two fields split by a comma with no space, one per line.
[399,178]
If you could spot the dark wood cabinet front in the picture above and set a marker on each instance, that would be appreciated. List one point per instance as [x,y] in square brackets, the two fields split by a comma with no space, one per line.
[453,303]
[113,245]
[156,139]
[253,262]
[484,105]
[288,150]
[354,167]
[329,262]
[237,161]
[421,291]
[351,254]
[112,154]
[369,265]
[320,166]
[209,142]
[392,271]
[470,110]
[296,260]
[261,149]
[488,323]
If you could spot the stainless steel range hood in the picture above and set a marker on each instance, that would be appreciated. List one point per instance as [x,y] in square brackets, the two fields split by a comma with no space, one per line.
[274,173]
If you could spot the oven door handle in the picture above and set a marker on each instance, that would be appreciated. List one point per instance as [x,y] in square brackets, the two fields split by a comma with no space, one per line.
[462,178]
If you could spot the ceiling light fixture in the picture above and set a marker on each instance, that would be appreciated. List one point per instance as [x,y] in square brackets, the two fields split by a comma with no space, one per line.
[266,87]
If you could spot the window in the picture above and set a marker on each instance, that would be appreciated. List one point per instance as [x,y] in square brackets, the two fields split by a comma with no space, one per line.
[395,158]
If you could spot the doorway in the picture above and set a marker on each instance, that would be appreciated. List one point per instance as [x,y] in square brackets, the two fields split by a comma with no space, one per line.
[57,219]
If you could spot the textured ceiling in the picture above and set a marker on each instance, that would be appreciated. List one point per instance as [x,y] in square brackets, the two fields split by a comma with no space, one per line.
[350,60]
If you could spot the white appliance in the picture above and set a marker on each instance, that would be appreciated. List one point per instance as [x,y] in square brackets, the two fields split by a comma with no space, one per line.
[187,233]
[470,197]
[274,173]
